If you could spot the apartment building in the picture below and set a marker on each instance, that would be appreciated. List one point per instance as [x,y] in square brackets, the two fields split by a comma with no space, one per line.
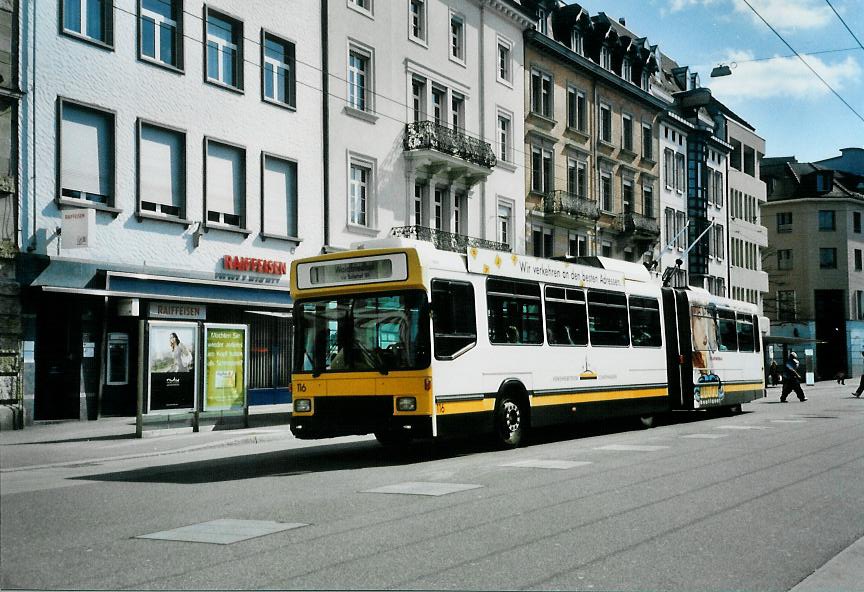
[171,168]
[591,137]
[424,110]
[816,275]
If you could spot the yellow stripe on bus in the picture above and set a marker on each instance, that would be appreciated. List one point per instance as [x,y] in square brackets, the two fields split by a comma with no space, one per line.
[597,396]
[734,388]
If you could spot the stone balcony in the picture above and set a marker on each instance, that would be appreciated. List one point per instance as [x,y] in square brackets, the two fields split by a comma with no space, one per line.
[437,149]
[561,207]
[638,225]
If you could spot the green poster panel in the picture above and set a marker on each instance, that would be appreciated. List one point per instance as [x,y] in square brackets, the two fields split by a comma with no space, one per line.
[225,349]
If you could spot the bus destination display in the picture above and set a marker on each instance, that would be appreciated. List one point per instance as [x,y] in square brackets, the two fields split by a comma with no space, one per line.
[387,268]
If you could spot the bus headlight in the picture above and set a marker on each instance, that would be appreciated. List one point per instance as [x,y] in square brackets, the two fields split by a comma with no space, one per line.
[406,403]
[303,405]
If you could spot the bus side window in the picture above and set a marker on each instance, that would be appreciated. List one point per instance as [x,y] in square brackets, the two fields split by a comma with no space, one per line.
[645,322]
[566,321]
[607,318]
[514,311]
[453,318]
[746,337]
[727,332]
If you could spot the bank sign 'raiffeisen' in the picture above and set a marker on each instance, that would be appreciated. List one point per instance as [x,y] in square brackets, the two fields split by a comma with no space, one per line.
[232,263]
[542,270]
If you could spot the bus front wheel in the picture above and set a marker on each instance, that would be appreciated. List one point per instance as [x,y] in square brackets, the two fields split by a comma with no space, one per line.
[510,421]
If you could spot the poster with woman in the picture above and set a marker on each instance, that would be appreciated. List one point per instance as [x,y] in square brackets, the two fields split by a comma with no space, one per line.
[172,378]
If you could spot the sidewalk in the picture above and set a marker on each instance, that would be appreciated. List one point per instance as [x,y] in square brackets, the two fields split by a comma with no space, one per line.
[58,443]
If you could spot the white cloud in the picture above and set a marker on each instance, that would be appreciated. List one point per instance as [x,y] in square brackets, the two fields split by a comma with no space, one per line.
[783,78]
[788,15]
[784,15]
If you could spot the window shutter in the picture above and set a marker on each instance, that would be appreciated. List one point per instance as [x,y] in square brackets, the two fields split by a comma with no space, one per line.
[225,179]
[161,166]
[280,196]
[86,152]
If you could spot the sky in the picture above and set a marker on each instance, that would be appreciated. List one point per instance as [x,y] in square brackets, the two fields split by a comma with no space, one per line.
[770,88]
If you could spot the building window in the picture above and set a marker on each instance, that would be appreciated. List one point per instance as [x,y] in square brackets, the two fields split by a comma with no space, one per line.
[438,210]
[577,42]
[541,93]
[627,132]
[224,50]
[161,171]
[856,222]
[605,58]
[542,170]
[277,71]
[626,196]
[626,70]
[279,196]
[225,187]
[542,23]
[160,31]
[459,213]
[359,183]
[86,154]
[504,61]
[359,77]
[606,123]
[606,249]
[457,111]
[648,201]
[857,259]
[784,259]
[541,239]
[606,192]
[417,19]
[828,258]
[680,173]
[577,178]
[418,99]
[786,305]
[419,197]
[669,167]
[90,19]
[504,141]
[784,222]
[719,247]
[576,109]
[439,95]
[646,81]
[505,223]
[827,221]
[362,5]
[457,38]
[647,142]
[859,300]
[716,180]
[577,245]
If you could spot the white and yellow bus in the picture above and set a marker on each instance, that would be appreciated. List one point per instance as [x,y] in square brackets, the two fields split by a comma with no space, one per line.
[407,341]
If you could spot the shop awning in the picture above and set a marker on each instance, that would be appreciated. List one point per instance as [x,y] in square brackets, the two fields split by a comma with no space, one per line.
[67,274]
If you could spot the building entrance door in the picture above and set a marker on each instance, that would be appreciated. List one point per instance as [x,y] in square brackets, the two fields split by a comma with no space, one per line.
[831,329]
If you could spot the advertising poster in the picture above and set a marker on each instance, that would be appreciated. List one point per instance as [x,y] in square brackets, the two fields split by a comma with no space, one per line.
[225,376]
[172,378]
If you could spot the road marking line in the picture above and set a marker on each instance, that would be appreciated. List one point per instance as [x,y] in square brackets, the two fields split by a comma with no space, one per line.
[788,421]
[737,427]
[631,448]
[705,436]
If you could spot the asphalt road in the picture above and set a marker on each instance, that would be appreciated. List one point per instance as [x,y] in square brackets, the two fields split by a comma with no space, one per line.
[755,501]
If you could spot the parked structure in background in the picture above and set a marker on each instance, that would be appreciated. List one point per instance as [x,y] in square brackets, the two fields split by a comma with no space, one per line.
[161,144]
[591,136]
[816,274]
[424,104]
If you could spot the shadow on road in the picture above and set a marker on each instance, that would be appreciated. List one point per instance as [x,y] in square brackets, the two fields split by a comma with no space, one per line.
[366,454]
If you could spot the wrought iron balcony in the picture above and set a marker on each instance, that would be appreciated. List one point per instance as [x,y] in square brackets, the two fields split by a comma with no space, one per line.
[447,241]
[428,135]
[564,203]
[632,223]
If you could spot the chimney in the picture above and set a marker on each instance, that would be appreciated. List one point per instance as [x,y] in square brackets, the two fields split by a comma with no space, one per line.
[622,21]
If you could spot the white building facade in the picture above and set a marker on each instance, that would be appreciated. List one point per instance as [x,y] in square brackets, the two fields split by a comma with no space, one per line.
[424,111]
[185,137]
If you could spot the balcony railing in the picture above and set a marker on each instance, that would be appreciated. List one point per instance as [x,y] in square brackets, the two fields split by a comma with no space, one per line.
[428,135]
[633,223]
[447,241]
[562,202]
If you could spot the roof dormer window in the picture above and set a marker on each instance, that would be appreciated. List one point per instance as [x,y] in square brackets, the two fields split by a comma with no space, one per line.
[577,42]
[541,21]
[605,58]
[646,81]
[626,70]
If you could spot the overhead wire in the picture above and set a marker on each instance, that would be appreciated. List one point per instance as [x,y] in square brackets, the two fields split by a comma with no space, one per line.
[844,24]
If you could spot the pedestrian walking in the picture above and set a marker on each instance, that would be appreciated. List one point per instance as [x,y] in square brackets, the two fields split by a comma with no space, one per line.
[860,388]
[792,379]
[774,373]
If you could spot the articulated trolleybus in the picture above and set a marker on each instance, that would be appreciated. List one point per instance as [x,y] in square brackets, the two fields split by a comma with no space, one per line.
[407,341]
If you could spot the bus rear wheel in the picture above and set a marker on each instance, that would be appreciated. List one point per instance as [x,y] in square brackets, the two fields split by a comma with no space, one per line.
[510,421]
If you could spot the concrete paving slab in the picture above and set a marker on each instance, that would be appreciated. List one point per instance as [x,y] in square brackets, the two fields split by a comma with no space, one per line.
[222,532]
[705,436]
[631,448]
[547,464]
[423,488]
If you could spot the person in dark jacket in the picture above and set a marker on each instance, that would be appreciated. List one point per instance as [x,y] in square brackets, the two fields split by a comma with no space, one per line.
[792,379]
[860,388]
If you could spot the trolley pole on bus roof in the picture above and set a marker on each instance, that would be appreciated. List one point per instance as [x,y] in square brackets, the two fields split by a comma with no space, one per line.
[667,273]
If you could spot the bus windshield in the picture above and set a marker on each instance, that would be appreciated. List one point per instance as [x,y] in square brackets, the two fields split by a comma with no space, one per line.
[362,333]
